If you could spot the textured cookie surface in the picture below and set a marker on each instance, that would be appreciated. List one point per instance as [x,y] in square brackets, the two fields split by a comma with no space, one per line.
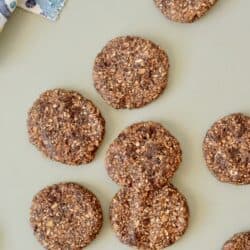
[65,216]
[130,72]
[185,11]
[226,149]
[65,126]
[240,241]
[149,219]
[144,153]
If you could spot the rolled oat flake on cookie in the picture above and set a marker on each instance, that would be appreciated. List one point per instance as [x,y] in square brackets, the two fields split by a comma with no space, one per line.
[65,216]
[66,126]
[144,154]
[226,149]
[130,72]
[149,219]
[185,11]
[240,241]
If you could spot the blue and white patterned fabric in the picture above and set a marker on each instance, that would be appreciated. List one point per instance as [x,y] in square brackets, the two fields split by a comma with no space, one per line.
[6,9]
[47,8]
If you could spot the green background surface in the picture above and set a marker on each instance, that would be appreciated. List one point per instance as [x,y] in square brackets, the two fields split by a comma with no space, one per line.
[209,78]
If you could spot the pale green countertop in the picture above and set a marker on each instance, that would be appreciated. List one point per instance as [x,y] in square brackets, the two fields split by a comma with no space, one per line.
[209,78]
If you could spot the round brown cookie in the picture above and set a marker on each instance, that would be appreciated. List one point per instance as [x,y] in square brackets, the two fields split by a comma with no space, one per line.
[144,153]
[65,216]
[65,126]
[226,149]
[184,11]
[130,72]
[149,219]
[240,241]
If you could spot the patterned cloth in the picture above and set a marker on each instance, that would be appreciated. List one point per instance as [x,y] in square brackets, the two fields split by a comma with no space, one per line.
[47,8]
[6,9]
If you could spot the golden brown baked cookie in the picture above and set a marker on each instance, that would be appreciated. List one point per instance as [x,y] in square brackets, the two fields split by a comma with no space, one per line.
[130,72]
[145,153]
[184,11]
[226,149]
[149,218]
[66,126]
[65,216]
[240,241]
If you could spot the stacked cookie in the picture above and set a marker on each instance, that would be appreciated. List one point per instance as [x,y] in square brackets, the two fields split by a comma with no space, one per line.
[148,212]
